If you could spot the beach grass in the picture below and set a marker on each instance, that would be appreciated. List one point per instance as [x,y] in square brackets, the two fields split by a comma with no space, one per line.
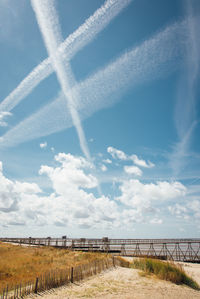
[165,270]
[19,264]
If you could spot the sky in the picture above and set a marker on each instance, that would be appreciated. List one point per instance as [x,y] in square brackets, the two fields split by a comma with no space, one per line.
[99,118]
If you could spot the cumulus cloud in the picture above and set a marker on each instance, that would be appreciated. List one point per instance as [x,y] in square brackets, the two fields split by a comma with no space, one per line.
[136,194]
[189,208]
[178,210]
[118,154]
[72,183]
[43,145]
[27,188]
[70,173]
[103,167]
[72,202]
[140,162]
[107,161]
[133,170]
[12,192]
[129,169]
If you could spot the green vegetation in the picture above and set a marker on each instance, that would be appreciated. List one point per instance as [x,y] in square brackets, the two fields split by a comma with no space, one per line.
[166,271]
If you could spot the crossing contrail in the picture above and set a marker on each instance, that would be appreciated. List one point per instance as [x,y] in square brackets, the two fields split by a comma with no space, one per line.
[49,26]
[72,44]
[138,65]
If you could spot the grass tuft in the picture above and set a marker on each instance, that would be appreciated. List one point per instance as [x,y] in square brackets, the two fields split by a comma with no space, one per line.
[166,271]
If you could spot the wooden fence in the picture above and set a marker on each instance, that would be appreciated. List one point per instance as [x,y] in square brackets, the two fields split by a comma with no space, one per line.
[57,278]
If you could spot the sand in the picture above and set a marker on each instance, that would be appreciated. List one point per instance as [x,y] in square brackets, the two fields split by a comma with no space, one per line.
[127,283]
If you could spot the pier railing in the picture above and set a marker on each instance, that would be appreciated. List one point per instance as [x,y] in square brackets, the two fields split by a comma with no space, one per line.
[170,249]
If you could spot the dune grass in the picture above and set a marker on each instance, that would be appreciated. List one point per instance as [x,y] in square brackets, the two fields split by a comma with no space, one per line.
[20,264]
[166,271]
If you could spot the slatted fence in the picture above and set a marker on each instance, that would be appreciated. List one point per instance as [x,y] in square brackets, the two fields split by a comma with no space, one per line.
[57,278]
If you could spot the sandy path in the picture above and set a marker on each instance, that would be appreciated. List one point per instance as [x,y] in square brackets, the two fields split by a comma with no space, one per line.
[123,283]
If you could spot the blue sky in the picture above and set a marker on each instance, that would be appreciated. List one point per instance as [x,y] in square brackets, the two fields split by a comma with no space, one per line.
[99,118]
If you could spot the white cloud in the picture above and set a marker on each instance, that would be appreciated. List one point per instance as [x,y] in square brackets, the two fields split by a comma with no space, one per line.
[136,194]
[43,145]
[189,208]
[133,170]
[140,162]
[107,161]
[179,210]
[70,174]
[130,169]
[73,203]
[103,167]
[116,154]
[12,192]
[194,205]
[27,188]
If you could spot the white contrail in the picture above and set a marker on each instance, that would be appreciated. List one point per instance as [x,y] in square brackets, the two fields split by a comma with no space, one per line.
[49,25]
[4,115]
[45,124]
[156,57]
[185,109]
[74,43]
[180,153]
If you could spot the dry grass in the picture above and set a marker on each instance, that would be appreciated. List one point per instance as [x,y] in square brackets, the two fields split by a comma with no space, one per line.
[22,264]
[166,271]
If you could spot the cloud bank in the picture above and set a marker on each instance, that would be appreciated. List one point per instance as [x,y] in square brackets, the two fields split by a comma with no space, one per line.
[72,201]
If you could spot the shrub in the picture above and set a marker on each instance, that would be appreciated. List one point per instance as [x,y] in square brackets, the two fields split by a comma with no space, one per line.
[166,271]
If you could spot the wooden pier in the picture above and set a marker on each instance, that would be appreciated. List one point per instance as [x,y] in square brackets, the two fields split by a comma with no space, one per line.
[187,250]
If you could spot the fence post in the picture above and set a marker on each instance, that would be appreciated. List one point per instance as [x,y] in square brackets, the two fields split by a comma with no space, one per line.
[72,274]
[113,261]
[36,286]
[95,267]
[7,292]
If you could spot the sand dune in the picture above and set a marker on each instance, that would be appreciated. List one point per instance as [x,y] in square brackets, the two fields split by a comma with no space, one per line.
[127,283]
